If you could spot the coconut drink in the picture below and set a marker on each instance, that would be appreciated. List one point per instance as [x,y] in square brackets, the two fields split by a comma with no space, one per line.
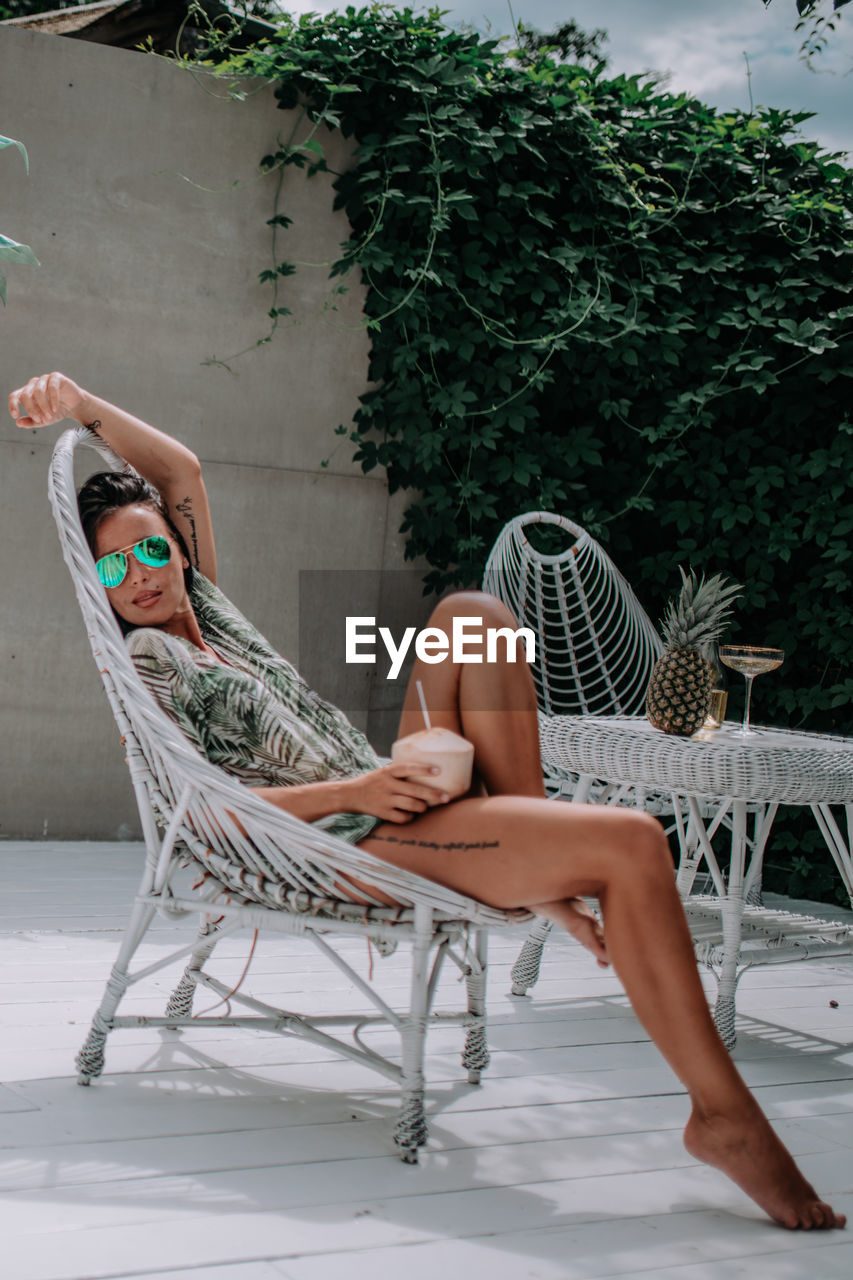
[453,755]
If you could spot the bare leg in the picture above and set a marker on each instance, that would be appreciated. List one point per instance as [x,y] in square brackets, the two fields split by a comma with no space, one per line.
[492,704]
[527,852]
[531,853]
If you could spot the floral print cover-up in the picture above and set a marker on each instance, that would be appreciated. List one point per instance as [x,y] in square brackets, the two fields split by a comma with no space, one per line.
[256,718]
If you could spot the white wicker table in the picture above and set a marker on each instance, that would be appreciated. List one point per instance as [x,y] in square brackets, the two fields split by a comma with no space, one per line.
[731,781]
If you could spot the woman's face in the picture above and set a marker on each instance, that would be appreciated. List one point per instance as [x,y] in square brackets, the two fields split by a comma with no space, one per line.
[148,597]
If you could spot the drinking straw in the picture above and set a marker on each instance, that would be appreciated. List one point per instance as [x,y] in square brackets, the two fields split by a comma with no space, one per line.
[420,690]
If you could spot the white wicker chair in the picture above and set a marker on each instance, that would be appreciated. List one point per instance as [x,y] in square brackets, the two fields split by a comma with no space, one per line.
[261,869]
[596,647]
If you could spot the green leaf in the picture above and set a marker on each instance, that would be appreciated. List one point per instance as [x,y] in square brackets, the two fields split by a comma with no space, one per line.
[14,252]
[11,142]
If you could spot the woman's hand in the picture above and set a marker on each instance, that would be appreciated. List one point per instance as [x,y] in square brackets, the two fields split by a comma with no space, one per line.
[172,468]
[392,793]
[45,400]
[585,926]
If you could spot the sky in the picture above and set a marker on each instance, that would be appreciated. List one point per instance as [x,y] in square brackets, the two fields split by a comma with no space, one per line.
[700,44]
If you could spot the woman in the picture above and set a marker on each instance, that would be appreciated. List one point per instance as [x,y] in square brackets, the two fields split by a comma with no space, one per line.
[155,554]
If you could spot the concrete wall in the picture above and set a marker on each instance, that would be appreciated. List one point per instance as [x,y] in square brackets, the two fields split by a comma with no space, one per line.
[149,263]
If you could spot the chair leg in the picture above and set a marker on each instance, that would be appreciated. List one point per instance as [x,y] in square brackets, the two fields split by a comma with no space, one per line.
[755,897]
[181,1000]
[525,971]
[411,1131]
[90,1059]
[725,1010]
[475,1055]
[690,855]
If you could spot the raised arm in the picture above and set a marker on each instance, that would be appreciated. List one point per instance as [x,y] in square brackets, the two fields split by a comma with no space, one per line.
[168,465]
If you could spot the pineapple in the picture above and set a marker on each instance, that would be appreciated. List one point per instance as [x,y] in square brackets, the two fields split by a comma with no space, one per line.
[682,678]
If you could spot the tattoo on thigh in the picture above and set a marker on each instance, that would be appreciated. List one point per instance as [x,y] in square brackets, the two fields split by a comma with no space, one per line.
[450,846]
[186,510]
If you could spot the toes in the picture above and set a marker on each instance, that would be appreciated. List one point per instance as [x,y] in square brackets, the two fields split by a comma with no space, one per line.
[822,1216]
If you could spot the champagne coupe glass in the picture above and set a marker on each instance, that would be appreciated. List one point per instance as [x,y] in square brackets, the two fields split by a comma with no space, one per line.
[751,661]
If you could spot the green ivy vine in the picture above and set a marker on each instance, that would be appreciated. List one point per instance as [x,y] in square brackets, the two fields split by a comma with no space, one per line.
[588,294]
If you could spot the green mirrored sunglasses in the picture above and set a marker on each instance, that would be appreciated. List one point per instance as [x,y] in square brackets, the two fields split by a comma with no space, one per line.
[153,552]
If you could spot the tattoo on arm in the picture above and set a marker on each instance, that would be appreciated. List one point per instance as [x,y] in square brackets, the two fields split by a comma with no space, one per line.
[94,427]
[186,510]
[450,846]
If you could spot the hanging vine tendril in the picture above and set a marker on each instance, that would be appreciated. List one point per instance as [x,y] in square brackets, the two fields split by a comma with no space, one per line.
[590,295]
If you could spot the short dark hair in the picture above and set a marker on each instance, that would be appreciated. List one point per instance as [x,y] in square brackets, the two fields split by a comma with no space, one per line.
[109,491]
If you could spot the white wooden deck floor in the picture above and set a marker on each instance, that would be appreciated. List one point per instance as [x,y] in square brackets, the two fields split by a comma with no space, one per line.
[234,1156]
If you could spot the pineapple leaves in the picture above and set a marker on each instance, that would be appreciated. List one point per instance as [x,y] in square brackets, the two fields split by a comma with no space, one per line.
[697,617]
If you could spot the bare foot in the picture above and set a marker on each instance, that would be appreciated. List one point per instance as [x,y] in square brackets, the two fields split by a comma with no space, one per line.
[749,1152]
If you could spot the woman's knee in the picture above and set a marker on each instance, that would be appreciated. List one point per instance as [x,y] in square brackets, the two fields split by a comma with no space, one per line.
[473,604]
[653,851]
[640,846]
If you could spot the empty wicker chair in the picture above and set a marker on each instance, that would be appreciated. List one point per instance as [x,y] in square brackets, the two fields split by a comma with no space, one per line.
[595,653]
[596,647]
[261,869]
